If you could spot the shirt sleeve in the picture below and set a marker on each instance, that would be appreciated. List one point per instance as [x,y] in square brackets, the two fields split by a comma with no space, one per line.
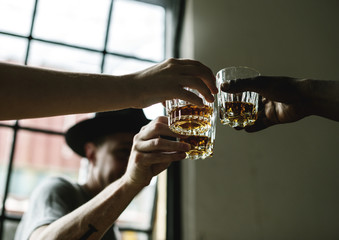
[50,201]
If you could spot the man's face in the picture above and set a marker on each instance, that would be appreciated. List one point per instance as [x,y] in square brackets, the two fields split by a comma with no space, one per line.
[112,157]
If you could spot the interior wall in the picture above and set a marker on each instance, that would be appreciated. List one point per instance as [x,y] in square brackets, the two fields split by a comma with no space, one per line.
[282,182]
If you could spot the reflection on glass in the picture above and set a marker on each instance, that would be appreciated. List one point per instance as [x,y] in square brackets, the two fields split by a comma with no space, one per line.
[16,16]
[65,58]
[79,22]
[137,29]
[12,49]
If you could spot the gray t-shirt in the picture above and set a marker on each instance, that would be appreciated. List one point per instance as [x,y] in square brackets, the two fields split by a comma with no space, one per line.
[51,200]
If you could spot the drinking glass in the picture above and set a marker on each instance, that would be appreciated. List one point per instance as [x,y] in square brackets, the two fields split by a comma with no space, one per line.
[188,119]
[238,109]
[202,143]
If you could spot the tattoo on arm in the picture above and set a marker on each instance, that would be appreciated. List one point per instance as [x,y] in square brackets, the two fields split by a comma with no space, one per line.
[90,231]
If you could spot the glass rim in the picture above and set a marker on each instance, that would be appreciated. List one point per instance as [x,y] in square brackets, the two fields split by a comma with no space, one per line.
[238,67]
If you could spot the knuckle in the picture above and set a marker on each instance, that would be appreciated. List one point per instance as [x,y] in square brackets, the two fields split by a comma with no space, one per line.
[138,157]
[172,60]
[143,128]
[157,126]
[156,142]
[171,63]
[136,137]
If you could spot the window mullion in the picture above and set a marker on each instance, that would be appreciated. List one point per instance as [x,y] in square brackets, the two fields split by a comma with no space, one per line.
[109,17]
[8,178]
[31,30]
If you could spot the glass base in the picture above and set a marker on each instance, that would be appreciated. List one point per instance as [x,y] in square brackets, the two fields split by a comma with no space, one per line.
[237,122]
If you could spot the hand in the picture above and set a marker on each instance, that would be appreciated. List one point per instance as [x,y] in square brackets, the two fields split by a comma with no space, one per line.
[282,99]
[167,81]
[152,154]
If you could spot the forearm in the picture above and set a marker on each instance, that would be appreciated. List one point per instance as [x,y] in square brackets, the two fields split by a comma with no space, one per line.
[91,220]
[28,92]
[322,98]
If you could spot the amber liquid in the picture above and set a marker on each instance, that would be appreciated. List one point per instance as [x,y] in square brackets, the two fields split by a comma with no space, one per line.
[238,114]
[201,146]
[190,119]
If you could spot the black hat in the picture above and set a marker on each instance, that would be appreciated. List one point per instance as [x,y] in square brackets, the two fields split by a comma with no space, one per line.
[103,124]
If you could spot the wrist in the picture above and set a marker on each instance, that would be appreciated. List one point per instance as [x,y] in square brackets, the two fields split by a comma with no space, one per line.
[136,91]
[131,183]
[306,90]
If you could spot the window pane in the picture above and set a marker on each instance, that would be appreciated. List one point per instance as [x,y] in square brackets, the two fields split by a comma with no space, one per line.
[6,138]
[137,29]
[79,22]
[37,156]
[12,49]
[16,16]
[130,235]
[65,58]
[8,122]
[154,111]
[58,124]
[118,65]
[139,212]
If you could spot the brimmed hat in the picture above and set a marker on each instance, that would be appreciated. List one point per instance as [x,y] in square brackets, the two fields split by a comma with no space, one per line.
[103,124]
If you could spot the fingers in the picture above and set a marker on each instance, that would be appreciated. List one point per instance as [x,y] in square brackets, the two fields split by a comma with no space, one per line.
[259,125]
[195,75]
[196,83]
[190,97]
[207,77]
[281,89]
[241,85]
[149,138]
[156,128]
[160,158]
[197,69]
[262,121]
[161,145]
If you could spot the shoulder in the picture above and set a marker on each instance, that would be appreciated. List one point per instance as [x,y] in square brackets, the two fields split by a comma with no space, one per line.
[55,187]
[56,183]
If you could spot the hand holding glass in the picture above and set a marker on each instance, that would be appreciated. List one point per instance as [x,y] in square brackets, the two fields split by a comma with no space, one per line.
[238,109]
[197,124]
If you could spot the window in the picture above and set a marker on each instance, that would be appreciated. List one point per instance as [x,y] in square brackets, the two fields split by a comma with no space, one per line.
[107,36]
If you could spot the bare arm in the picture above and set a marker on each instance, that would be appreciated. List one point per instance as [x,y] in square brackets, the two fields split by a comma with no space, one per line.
[28,92]
[324,98]
[288,99]
[150,155]
[91,220]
